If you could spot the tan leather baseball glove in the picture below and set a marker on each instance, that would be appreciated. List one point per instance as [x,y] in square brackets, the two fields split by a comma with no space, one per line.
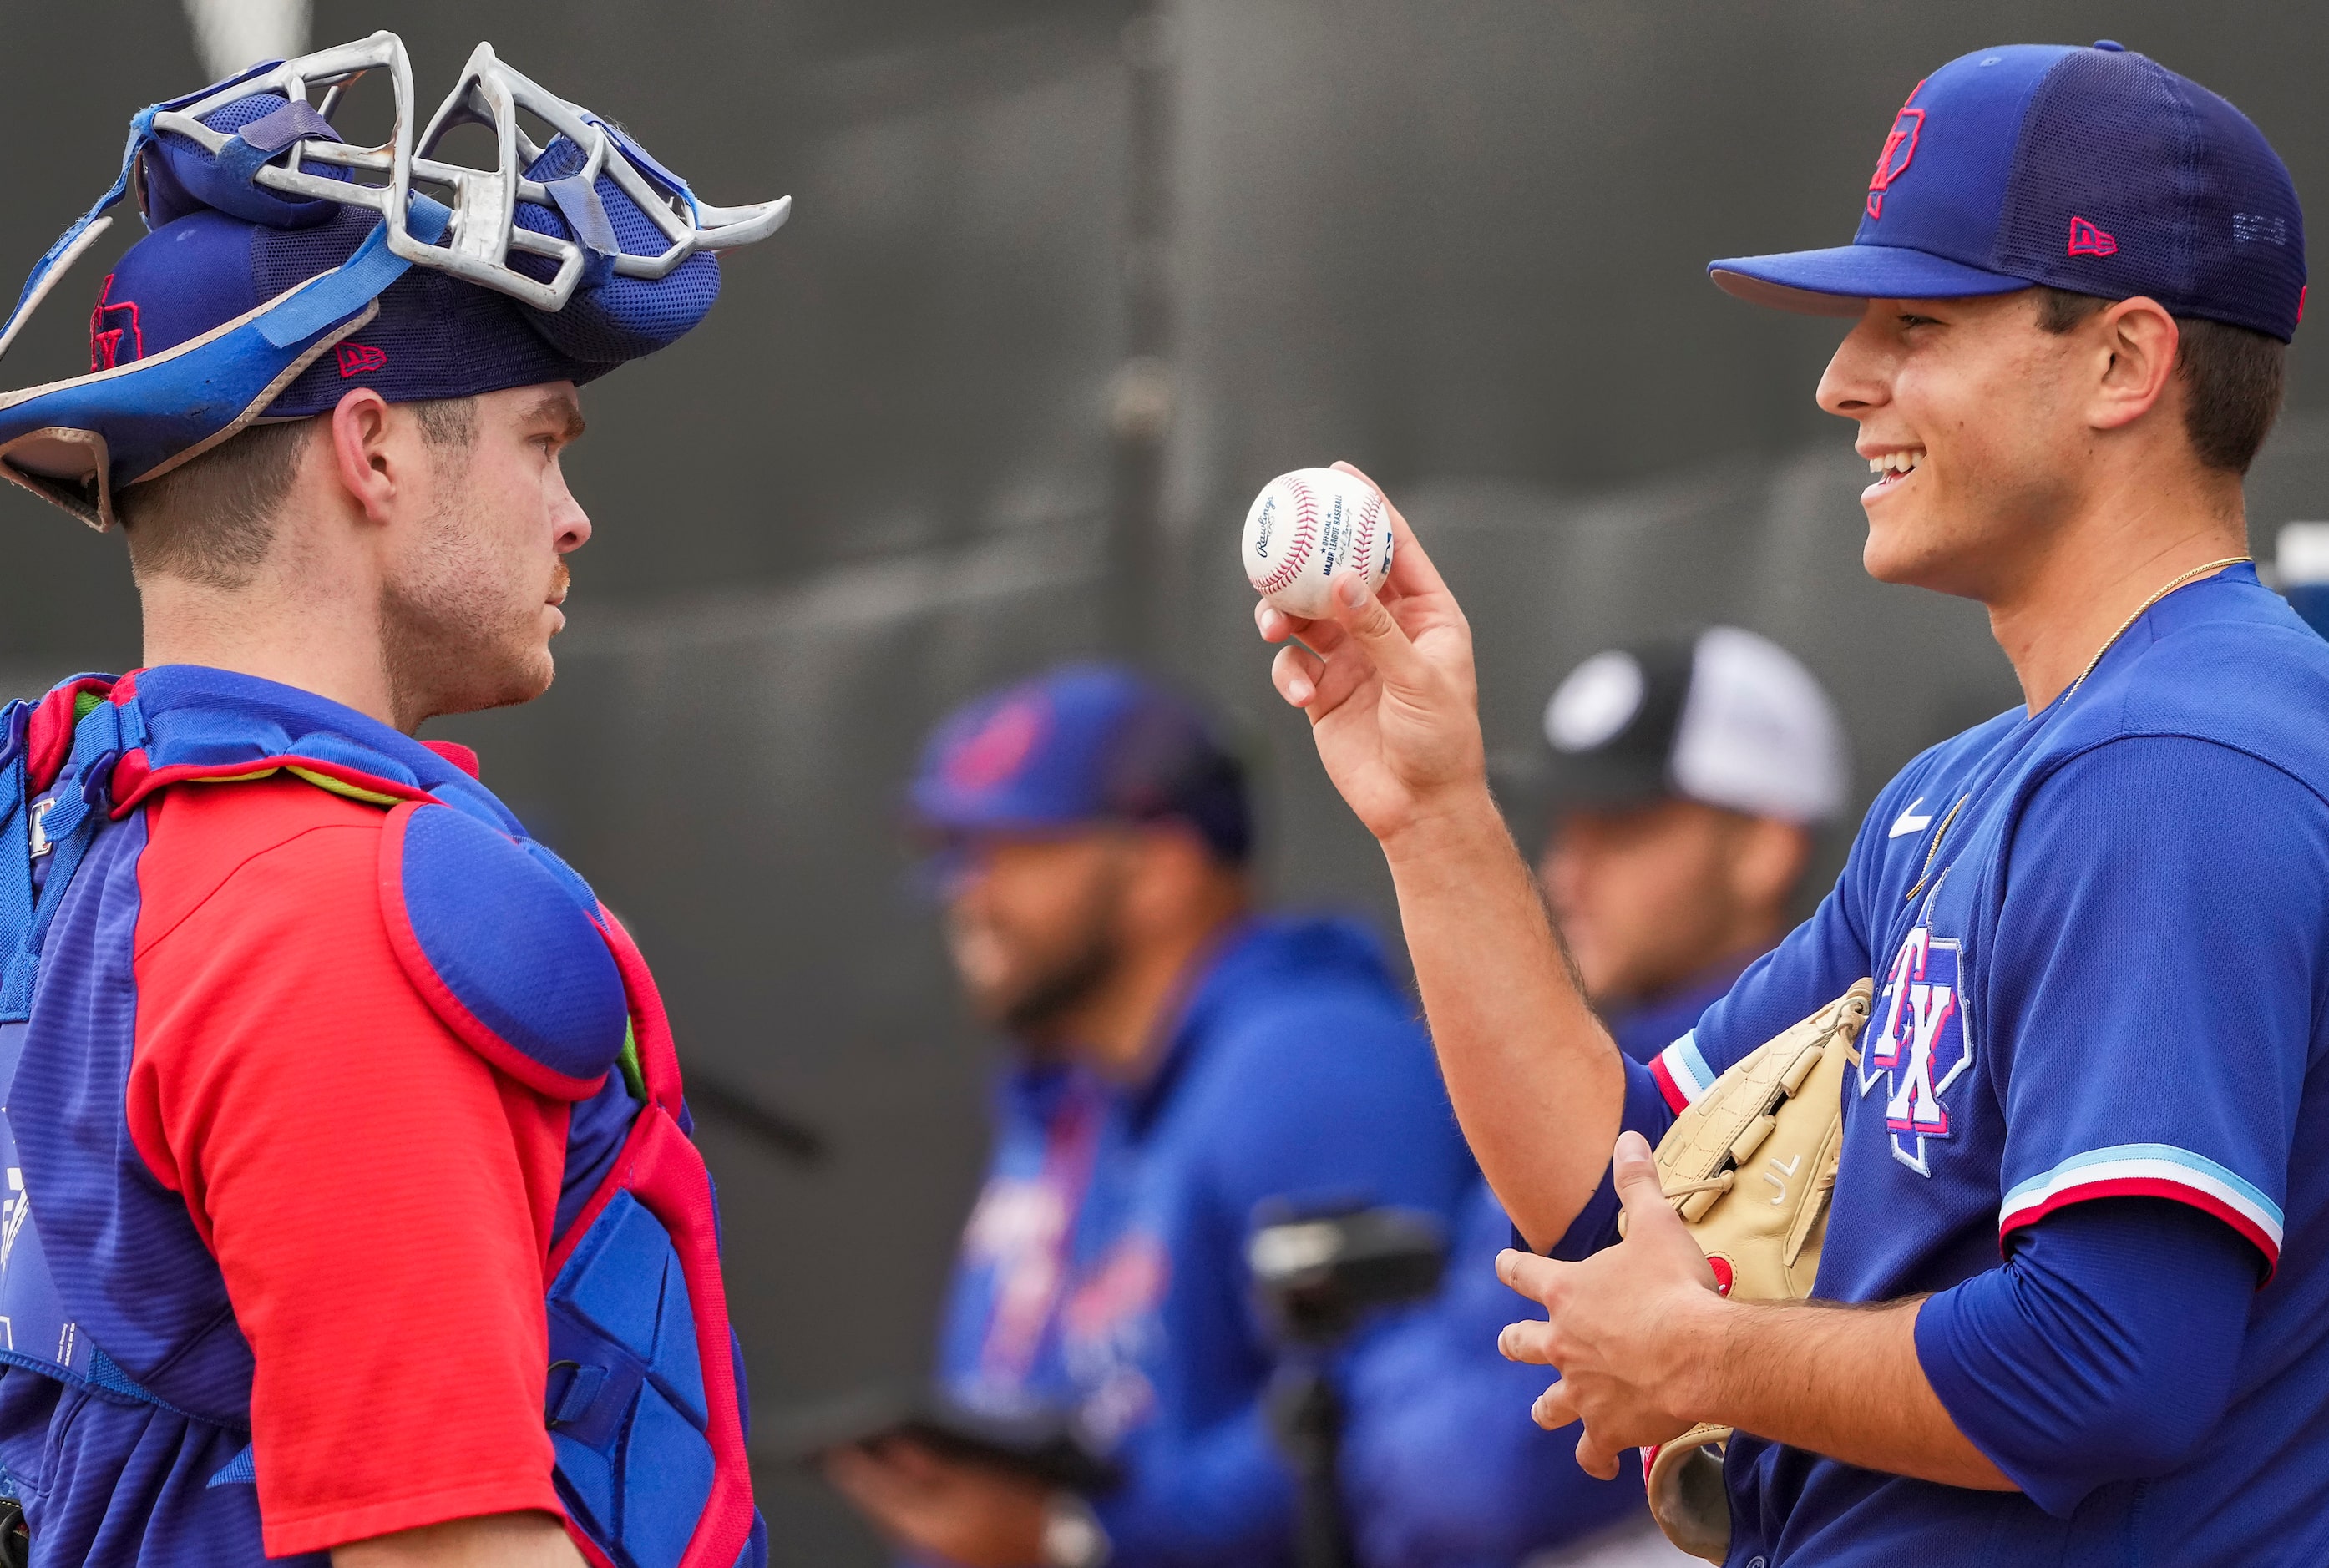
[1750,1168]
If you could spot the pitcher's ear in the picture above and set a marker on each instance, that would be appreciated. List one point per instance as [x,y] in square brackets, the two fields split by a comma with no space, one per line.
[2135,341]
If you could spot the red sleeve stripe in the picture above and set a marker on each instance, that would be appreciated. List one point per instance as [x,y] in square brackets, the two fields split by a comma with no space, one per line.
[1682,1072]
[1676,1100]
[2149,1170]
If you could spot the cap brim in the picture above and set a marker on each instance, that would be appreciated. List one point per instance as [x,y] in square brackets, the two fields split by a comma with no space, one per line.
[1840,280]
[1545,782]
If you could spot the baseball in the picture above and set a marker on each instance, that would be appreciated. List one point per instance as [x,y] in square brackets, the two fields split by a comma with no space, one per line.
[1305,525]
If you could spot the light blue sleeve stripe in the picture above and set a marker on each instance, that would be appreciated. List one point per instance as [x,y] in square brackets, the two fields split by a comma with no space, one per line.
[2167,1154]
[1687,1049]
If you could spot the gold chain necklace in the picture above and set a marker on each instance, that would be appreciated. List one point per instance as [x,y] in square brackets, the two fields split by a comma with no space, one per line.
[2195,574]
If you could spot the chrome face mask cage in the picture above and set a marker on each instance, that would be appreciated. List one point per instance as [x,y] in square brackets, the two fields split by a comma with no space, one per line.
[482,231]
[484,200]
[63,440]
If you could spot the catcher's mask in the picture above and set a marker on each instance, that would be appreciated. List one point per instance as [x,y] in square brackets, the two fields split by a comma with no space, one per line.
[284,265]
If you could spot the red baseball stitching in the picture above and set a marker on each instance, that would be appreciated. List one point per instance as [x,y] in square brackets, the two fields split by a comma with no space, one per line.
[1364,547]
[1298,545]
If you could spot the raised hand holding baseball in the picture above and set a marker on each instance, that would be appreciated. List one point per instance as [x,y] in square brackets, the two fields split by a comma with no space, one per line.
[1386,677]
[1307,525]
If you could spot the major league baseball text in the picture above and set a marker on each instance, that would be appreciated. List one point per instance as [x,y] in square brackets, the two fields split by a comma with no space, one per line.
[1304,526]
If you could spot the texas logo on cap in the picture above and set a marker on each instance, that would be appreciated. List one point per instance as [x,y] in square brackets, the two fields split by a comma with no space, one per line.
[110,324]
[994,753]
[1900,152]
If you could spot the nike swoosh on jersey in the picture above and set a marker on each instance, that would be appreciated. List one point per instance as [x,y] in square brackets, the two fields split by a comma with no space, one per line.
[1909,822]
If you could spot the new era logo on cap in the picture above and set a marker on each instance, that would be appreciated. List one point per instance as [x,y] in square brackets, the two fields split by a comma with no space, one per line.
[2094,170]
[355,359]
[2086,240]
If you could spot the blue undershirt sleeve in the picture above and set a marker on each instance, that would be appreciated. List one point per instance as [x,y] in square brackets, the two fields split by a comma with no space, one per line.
[2102,1351]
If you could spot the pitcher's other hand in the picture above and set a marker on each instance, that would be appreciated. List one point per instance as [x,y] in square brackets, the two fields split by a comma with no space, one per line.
[1388,683]
[1625,1326]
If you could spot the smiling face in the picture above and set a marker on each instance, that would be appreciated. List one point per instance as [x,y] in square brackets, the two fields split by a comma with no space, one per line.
[471,597]
[1974,422]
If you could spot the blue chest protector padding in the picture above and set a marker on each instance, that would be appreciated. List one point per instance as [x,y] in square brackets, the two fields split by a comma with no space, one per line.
[504,940]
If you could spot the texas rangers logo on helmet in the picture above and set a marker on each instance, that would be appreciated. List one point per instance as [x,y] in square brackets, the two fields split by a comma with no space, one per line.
[112,327]
[1900,152]
[1923,1047]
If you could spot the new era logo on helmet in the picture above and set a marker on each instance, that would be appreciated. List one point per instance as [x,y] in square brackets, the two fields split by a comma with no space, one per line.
[111,322]
[355,359]
[2086,240]
[1900,152]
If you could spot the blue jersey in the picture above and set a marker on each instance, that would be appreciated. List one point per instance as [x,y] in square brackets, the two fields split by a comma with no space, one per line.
[2097,932]
[1442,1464]
[1104,1271]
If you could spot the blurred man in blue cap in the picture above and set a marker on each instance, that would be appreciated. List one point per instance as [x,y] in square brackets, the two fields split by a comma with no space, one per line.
[1181,1060]
[1684,780]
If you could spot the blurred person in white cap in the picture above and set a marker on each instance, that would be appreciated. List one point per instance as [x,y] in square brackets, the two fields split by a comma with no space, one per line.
[1684,781]
[1688,777]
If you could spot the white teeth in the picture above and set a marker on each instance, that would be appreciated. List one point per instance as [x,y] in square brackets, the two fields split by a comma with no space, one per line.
[1891,462]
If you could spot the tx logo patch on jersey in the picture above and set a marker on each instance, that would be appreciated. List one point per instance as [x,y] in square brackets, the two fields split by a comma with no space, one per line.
[1922,1047]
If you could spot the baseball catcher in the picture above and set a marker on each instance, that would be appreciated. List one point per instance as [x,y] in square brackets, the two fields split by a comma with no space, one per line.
[351,1209]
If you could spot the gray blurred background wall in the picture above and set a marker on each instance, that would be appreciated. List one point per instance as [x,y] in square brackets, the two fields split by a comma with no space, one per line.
[1459,244]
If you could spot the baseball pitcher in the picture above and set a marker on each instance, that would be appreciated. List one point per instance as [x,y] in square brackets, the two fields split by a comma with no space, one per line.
[2070,1295]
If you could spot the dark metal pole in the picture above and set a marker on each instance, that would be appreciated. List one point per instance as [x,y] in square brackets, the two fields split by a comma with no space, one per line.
[776,1130]
[1308,1414]
[1140,403]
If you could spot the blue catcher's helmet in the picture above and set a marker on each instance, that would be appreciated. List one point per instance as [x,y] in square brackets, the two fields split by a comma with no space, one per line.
[284,266]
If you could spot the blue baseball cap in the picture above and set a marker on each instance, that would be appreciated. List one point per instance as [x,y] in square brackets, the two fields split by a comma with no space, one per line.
[2094,170]
[1084,743]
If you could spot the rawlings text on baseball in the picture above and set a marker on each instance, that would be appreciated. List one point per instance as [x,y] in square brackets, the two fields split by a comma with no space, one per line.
[1307,525]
